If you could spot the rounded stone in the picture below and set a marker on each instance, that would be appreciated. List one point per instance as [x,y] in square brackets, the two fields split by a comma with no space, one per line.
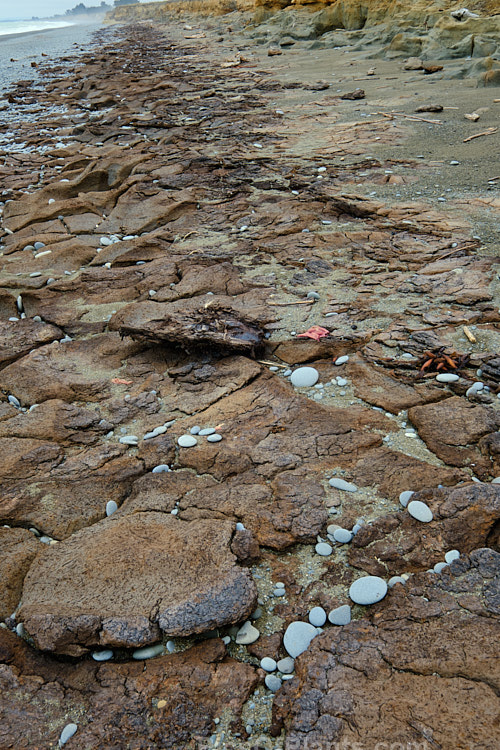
[304,377]
[111,507]
[447,377]
[341,484]
[195,430]
[268,664]
[340,615]
[129,440]
[67,733]
[272,682]
[368,590]
[404,497]
[160,469]
[298,636]
[317,616]
[343,536]
[279,592]
[207,431]
[451,555]
[214,438]
[286,665]
[323,549]
[187,441]
[247,634]
[102,655]
[312,295]
[342,360]
[420,511]
[148,652]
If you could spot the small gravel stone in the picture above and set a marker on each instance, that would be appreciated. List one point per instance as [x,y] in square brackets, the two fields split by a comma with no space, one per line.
[195,430]
[298,636]
[161,430]
[214,438]
[323,549]
[304,377]
[129,440]
[420,511]
[240,527]
[317,616]
[343,536]
[286,665]
[187,441]
[356,528]
[440,566]
[14,401]
[340,615]
[341,382]
[268,664]
[67,733]
[39,245]
[368,590]
[447,377]
[111,507]
[160,469]
[287,373]
[280,585]
[148,652]
[405,496]
[273,683]
[394,580]
[106,241]
[279,592]
[342,360]
[247,634]
[273,368]
[312,295]
[207,431]
[341,484]
[451,555]
[102,655]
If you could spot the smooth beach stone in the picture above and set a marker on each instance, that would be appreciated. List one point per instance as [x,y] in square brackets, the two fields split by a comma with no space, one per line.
[273,368]
[207,431]
[420,511]
[304,377]
[187,441]
[39,245]
[286,665]
[451,555]
[14,401]
[394,580]
[160,469]
[279,592]
[240,527]
[170,646]
[341,484]
[342,535]
[214,438]
[341,360]
[317,616]
[323,549]
[129,440]
[102,655]
[404,497]
[195,430]
[340,615]
[148,652]
[447,377]
[312,295]
[298,636]
[268,664]
[154,433]
[356,528]
[368,590]
[247,634]
[279,585]
[67,733]
[497,479]
[111,507]
[440,566]
[272,682]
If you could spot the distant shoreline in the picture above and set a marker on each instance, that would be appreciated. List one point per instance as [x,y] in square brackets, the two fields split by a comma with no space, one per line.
[35,31]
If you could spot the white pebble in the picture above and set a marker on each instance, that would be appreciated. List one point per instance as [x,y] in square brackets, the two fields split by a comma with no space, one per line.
[268,664]
[447,377]
[66,734]
[368,590]
[394,580]
[317,616]
[341,484]
[323,549]
[340,615]
[440,566]
[111,507]
[14,401]
[240,527]
[304,377]
[129,440]
[420,511]
[148,652]
[214,438]
[102,655]
[160,469]
[341,360]
[207,431]
[187,441]
[343,536]
[451,555]
[405,496]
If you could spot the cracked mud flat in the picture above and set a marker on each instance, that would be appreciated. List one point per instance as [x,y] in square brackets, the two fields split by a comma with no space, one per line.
[189,193]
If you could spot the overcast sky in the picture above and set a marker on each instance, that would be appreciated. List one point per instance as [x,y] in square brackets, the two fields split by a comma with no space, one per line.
[41,8]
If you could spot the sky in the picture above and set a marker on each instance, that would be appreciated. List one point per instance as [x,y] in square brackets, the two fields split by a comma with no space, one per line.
[20,9]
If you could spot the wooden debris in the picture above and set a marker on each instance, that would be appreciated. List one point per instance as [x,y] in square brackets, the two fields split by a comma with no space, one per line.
[489,131]
[469,334]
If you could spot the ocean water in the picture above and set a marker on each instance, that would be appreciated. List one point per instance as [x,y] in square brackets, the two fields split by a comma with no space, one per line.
[24,27]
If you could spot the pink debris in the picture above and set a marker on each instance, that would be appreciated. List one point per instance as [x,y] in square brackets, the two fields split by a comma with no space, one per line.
[315,332]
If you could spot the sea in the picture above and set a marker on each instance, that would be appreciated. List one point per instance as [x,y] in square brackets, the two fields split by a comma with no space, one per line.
[10,28]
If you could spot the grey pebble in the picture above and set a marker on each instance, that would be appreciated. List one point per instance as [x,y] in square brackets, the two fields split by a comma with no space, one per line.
[287,373]
[404,497]
[447,377]
[214,438]
[14,401]
[68,732]
[394,580]
[273,683]
[304,377]
[111,507]
[187,441]
[279,592]
[451,555]
[160,469]
[420,511]
[148,652]
[268,664]
[207,431]
[38,245]
[195,430]
[440,566]
[312,295]
[102,655]
[298,636]
[342,360]
[343,536]
[340,615]
[317,616]
[273,368]
[341,484]
[280,585]
[286,665]
[323,549]
[247,634]
[129,440]
[368,590]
